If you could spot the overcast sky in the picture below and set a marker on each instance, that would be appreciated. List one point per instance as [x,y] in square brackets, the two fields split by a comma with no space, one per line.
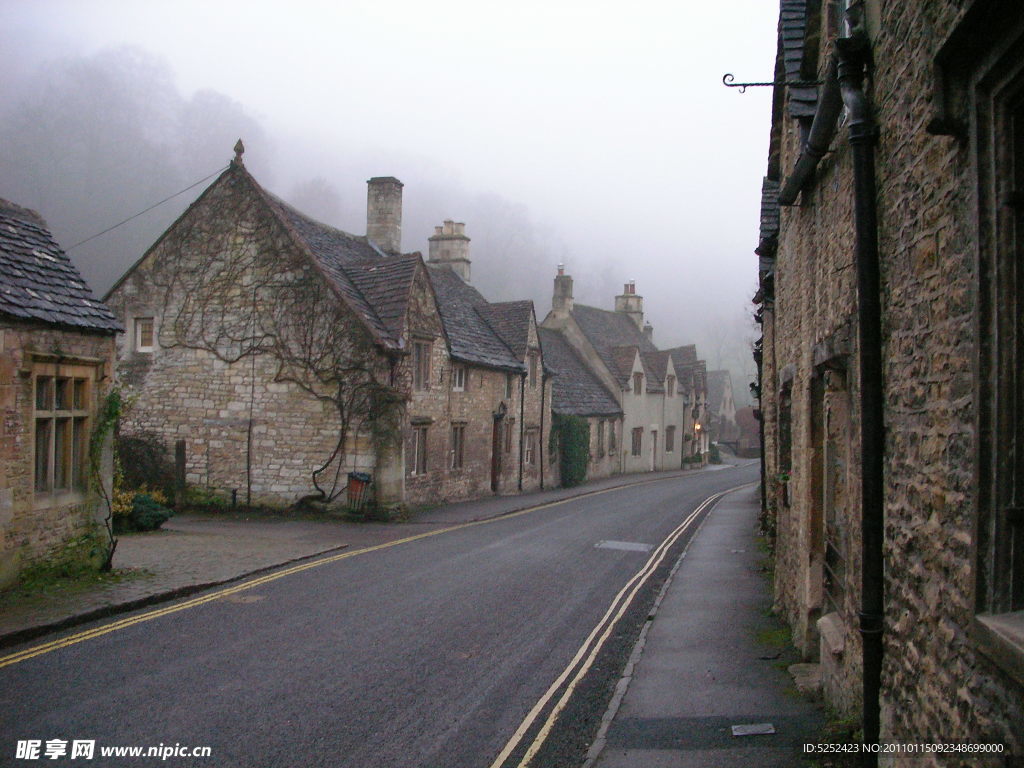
[607,121]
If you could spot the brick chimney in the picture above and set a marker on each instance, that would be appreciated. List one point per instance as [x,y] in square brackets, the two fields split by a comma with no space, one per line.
[384,213]
[561,300]
[631,304]
[449,245]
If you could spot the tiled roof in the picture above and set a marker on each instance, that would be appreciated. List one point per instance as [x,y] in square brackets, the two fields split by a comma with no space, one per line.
[575,389]
[37,279]
[464,313]
[792,29]
[688,368]
[511,321]
[375,285]
[606,330]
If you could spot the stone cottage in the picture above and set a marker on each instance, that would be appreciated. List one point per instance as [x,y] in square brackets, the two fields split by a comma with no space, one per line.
[721,408]
[660,396]
[56,368]
[498,392]
[891,377]
[286,353]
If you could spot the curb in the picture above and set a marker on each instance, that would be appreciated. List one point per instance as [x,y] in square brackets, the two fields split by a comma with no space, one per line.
[19,636]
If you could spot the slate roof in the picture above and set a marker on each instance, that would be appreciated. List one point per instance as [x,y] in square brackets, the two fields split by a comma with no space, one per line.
[606,330]
[376,285]
[39,282]
[792,30]
[511,321]
[465,314]
[689,369]
[575,389]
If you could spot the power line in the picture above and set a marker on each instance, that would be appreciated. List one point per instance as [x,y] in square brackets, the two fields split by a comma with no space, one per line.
[155,205]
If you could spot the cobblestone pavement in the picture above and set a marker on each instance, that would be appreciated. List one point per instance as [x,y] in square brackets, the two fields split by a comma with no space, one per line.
[191,552]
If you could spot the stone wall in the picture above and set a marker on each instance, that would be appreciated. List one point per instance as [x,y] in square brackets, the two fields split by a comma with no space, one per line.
[937,685]
[34,524]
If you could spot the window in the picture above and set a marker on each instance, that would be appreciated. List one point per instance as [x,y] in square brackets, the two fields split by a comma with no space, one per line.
[62,408]
[458,444]
[144,334]
[533,370]
[459,378]
[670,386]
[510,425]
[670,439]
[638,441]
[531,447]
[421,364]
[638,383]
[600,438]
[509,385]
[611,437]
[419,451]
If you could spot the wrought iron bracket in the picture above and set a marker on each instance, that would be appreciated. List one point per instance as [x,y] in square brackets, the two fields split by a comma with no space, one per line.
[727,81]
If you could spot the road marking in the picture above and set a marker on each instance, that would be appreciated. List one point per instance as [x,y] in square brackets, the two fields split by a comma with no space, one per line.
[90,634]
[607,622]
[625,546]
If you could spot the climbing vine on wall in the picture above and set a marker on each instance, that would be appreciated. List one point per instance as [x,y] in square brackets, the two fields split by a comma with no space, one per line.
[107,416]
[252,295]
[574,441]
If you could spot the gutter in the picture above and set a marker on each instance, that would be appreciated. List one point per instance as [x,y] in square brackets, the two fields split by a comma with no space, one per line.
[844,86]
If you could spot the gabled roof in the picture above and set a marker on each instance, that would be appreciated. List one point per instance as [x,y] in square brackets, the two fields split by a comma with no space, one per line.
[39,282]
[575,389]
[465,315]
[511,321]
[623,359]
[689,369]
[606,330]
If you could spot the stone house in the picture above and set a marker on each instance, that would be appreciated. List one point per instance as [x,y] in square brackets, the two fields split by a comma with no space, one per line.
[891,382]
[286,353]
[56,368]
[498,386]
[577,391]
[659,393]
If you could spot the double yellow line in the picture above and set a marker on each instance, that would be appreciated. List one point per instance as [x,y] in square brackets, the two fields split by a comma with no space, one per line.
[588,652]
[90,634]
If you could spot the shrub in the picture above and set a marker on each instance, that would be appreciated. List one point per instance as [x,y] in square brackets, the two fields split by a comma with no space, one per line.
[145,462]
[147,513]
[574,441]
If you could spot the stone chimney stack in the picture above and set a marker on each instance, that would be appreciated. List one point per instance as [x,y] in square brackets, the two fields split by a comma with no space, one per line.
[384,213]
[449,245]
[649,332]
[631,304]
[561,301]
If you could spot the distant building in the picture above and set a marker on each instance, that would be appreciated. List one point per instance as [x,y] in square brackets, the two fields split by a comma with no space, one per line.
[56,368]
[661,394]
[721,408]
[891,381]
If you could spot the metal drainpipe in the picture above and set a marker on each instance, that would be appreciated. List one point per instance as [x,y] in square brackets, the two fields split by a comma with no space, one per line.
[851,54]
[540,447]
[522,426]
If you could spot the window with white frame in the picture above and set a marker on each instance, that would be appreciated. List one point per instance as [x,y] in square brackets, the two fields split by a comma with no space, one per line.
[459,378]
[144,334]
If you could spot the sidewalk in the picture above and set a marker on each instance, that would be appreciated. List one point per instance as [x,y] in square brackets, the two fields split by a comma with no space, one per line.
[192,553]
[711,659]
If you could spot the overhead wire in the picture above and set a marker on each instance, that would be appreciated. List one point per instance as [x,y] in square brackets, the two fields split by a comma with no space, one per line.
[140,213]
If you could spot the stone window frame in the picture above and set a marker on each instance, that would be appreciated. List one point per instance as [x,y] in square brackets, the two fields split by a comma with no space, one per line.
[530,452]
[460,377]
[510,430]
[68,409]
[600,438]
[457,450]
[994,90]
[145,326]
[509,386]
[422,350]
[638,441]
[638,383]
[534,358]
[670,386]
[419,449]
[612,443]
[670,438]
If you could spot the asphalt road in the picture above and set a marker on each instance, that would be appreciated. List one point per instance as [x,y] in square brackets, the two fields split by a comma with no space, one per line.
[428,653]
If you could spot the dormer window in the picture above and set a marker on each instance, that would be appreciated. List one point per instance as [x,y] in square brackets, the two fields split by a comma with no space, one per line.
[670,386]
[638,383]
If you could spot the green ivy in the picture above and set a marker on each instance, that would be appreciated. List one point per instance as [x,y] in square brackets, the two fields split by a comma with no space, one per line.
[574,440]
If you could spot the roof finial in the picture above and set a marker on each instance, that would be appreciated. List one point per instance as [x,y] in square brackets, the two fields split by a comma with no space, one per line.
[239,151]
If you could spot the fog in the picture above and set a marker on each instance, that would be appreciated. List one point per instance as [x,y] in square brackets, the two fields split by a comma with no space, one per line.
[591,134]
